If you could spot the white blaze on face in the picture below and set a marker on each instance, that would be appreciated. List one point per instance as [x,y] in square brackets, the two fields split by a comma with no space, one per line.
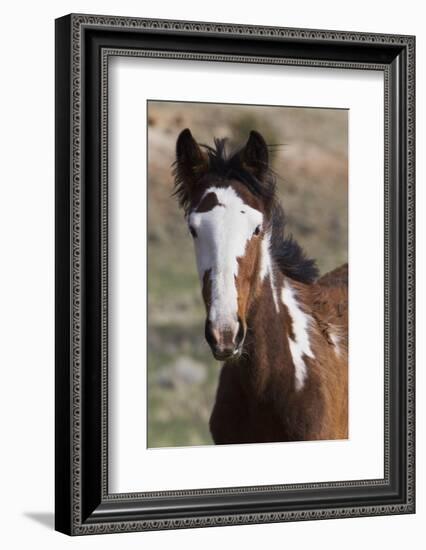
[222,236]
[300,345]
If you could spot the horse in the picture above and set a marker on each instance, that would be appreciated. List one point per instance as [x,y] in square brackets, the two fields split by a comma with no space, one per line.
[280,330]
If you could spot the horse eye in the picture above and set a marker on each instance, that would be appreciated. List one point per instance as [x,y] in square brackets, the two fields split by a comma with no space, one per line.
[192,231]
[257,230]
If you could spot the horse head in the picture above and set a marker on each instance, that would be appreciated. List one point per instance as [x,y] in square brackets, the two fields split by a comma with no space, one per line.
[227,199]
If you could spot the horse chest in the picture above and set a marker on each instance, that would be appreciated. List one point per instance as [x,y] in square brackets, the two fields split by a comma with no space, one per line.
[242,414]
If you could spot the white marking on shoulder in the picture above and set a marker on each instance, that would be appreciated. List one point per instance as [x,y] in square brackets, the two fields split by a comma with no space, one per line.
[300,345]
[267,268]
[335,338]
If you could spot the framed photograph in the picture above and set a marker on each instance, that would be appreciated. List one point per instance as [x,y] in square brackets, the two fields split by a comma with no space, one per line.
[234,274]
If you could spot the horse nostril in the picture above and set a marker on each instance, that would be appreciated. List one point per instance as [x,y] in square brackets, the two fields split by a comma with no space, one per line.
[211,334]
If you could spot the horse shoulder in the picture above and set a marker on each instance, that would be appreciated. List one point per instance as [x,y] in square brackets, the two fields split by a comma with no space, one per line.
[330,311]
[330,307]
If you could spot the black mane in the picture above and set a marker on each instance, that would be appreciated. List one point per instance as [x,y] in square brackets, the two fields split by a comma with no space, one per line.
[224,166]
[287,254]
[230,166]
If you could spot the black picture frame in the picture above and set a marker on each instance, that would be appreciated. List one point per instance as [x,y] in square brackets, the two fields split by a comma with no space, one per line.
[83,44]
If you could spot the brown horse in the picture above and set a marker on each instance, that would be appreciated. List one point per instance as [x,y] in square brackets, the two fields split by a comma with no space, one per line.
[281,332]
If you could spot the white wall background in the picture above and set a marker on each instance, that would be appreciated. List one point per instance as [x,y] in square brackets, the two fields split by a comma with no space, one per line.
[27,267]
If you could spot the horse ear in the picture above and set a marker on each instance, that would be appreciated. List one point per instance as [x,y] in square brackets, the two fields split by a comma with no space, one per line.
[255,156]
[191,162]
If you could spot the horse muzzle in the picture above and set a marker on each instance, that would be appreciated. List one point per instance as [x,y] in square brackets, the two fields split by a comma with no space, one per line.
[227,341]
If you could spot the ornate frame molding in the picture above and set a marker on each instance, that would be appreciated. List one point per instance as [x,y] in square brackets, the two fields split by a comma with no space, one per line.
[73,504]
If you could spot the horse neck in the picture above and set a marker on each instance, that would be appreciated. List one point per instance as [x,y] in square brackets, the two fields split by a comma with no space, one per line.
[276,345]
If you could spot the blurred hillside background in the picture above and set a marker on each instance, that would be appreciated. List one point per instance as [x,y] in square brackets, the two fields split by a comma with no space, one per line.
[312,168]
